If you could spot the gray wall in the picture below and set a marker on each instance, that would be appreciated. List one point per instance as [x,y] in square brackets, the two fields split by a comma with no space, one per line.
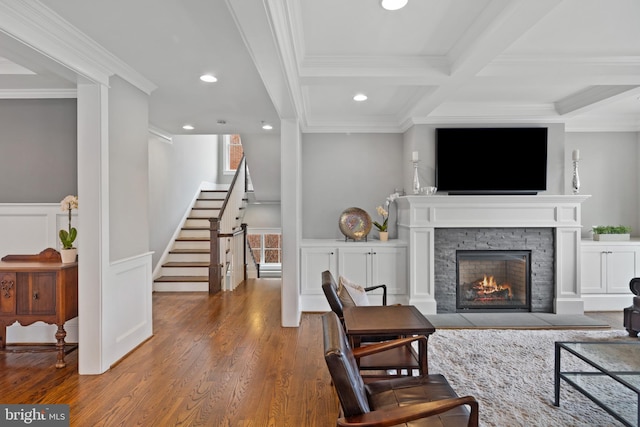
[344,170]
[128,170]
[608,171]
[176,171]
[38,150]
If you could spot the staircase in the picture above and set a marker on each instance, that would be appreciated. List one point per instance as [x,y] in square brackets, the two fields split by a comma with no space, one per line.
[186,268]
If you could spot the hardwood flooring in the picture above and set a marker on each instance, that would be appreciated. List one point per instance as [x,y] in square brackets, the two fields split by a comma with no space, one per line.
[221,360]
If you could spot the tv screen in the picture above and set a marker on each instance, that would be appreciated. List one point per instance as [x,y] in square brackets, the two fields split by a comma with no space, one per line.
[491,160]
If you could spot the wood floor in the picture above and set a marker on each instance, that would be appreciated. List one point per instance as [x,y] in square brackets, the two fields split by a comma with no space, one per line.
[221,360]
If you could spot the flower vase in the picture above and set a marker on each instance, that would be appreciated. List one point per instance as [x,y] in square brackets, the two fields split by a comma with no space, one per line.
[68,255]
[384,236]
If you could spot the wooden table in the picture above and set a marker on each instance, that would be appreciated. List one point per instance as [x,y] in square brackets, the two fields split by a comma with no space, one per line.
[32,291]
[389,320]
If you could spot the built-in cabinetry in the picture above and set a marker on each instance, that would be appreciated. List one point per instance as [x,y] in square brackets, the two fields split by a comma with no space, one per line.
[606,269]
[367,263]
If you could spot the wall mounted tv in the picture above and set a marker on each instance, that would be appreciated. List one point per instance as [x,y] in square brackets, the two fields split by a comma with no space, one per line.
[491,160]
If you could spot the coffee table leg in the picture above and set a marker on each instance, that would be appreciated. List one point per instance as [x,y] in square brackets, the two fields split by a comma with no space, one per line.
[556,384]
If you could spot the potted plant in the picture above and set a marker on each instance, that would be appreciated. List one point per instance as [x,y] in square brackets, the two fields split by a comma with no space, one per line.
[382,228]
[611,232]
[67,237]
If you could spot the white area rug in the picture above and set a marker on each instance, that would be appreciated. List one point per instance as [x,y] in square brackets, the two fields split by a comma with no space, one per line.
[488,364]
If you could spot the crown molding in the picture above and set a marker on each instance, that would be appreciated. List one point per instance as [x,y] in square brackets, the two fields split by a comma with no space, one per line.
[37,93]
[38,27]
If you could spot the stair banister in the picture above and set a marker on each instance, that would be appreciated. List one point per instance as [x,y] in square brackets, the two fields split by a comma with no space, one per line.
[226,226]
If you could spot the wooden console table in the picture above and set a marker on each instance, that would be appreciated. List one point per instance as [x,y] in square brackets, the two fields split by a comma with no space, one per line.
[38,288]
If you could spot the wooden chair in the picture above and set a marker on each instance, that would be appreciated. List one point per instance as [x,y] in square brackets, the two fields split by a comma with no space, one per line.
[425,400]
[401,359]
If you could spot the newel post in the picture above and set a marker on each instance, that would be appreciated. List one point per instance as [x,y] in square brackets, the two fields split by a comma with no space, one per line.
[215,268]
[244,248]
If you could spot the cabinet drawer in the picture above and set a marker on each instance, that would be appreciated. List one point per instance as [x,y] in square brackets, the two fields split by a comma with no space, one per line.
[7,293]
[36,293]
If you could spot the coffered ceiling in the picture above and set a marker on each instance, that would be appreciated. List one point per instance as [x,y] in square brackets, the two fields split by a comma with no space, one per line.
[433,62]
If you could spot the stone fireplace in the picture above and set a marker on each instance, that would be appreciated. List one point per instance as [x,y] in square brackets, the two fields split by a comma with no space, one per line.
[493,280]
[547,226]
[489,251]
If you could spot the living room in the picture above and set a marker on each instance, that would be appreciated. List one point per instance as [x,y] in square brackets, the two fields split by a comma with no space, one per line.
[490,64]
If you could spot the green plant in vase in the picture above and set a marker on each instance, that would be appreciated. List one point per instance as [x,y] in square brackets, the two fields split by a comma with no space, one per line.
[67,237]
[385,217]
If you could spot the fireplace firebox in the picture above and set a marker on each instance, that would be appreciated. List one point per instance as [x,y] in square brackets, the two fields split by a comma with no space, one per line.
[493,280]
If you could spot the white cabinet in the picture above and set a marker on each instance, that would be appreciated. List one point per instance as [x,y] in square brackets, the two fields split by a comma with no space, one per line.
[608,268]
[314,260]
[366,263]
[376,265]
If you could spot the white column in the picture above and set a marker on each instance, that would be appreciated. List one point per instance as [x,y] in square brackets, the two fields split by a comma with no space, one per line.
[568,298]
[93,220]
[291,212]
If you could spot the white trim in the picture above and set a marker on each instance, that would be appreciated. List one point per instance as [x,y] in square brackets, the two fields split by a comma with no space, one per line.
[40,28]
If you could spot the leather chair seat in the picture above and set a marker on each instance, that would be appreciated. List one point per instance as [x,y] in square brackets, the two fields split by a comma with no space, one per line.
[412,390]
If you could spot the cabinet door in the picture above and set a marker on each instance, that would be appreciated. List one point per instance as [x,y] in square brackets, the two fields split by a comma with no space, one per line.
[355,264]
[593,270]
[621,268]
[7,293]
[389,268]
[314,262]
[36,293]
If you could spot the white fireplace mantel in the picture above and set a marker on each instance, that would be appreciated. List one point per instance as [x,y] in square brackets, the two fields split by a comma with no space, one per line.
[419,216]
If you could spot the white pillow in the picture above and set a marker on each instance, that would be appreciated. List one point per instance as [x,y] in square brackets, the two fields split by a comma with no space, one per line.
[355,291]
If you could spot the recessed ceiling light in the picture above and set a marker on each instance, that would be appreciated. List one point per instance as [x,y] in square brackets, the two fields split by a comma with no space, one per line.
[208,78]
[266,126]
[188,127]
[394,4]
[360,97]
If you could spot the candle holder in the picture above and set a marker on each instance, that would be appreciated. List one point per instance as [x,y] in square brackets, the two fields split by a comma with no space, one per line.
[416,178]
[575,182]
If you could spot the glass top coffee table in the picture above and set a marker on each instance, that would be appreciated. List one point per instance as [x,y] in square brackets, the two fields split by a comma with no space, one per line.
[608,373]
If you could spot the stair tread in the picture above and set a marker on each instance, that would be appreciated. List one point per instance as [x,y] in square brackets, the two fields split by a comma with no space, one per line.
[186,264]
[195,228]
[189,251]
[193,239]
[182,279]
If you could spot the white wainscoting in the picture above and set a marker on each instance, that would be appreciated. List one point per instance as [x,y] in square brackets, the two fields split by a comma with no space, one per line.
[29,228]
[129,320]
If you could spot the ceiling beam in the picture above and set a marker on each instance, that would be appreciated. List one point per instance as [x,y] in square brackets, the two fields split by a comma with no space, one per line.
[501,23]
[593,97]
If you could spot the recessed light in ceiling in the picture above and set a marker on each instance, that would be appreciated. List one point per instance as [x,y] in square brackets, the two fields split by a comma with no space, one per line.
[360,97]
[188,127]
[394,4]
[208,78]
[266,126]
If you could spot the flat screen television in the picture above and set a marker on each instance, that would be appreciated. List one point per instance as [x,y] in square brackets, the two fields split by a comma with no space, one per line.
[491,160]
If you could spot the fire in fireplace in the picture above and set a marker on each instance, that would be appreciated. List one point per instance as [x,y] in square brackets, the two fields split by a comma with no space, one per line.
[493,280]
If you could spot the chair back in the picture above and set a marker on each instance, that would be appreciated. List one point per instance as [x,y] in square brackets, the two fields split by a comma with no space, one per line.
[343,368]
[330,289]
